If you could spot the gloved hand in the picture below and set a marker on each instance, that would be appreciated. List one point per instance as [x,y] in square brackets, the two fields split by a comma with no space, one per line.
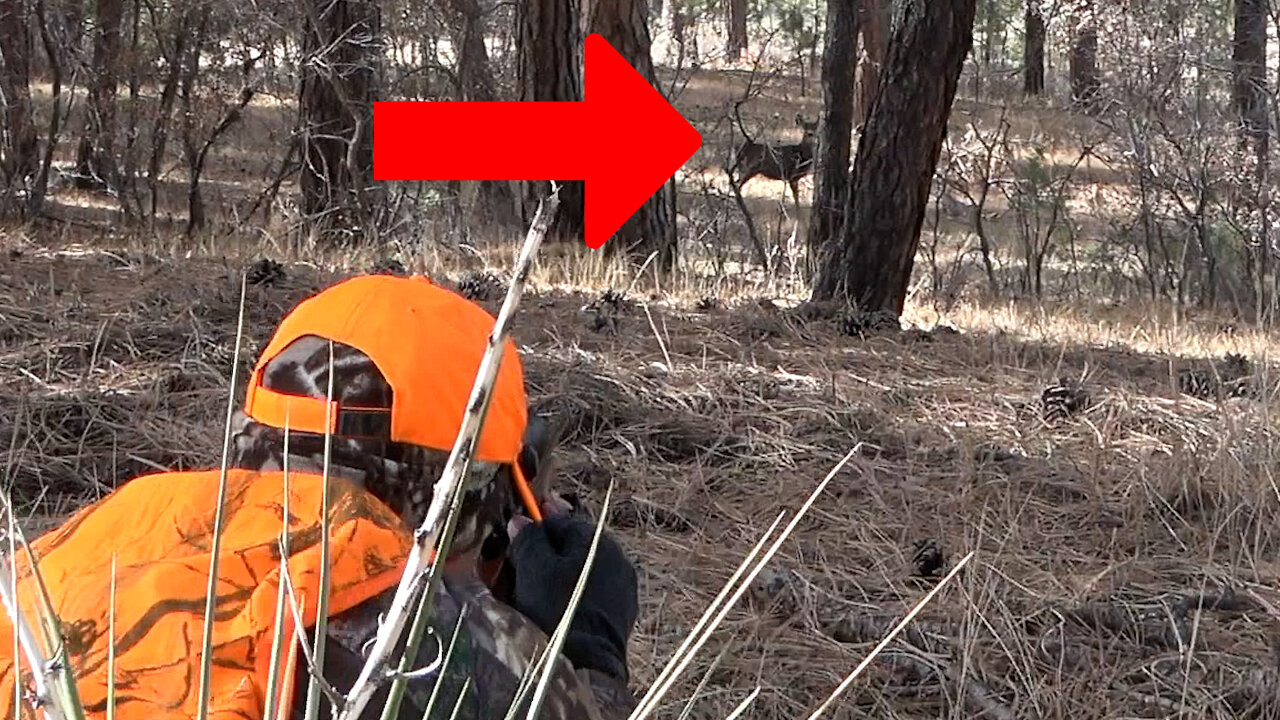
[547,559]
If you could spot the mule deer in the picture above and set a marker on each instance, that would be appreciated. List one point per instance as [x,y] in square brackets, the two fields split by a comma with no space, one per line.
[779,162]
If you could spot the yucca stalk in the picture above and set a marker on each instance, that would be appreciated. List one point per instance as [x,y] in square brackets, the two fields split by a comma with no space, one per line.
[544,666]
[431,539]
[211,594]
[742,706]
[24,636]
[457,704]
[527,678]
[41,669]
[902,624]
[277,634]
[702,684]
[714,606]
[322,606]
[395,695]
[562,630]
[297,609]
[57,669]
[111,645]
[685,655]
[12,586]
[444,666]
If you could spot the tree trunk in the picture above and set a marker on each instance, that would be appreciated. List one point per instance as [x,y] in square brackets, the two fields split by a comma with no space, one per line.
[1249,96]
[1033,49]
[735,43]
[95,156]
[18,144]
[873,21]
[990,19]
[549,48]
[673,20]
[341,42]
[190,68]
[130,200]
[55,46]
[168,95]
[1083,62]
[651,229]
[870,262]
[475,81]
[1249,80]
[831,176]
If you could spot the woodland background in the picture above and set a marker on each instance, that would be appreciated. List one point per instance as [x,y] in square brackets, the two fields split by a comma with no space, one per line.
[1032,279]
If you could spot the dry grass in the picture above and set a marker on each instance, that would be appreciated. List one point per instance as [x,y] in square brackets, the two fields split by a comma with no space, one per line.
[1126,556]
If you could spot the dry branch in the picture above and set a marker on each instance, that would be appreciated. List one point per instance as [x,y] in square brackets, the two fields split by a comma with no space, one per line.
[431,540]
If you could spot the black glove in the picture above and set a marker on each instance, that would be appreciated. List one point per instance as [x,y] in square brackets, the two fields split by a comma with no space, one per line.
[547,559]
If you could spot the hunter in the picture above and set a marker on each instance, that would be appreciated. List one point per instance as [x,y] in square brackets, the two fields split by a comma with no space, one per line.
[404,354]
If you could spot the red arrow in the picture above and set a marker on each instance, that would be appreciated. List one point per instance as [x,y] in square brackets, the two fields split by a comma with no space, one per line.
[625,140]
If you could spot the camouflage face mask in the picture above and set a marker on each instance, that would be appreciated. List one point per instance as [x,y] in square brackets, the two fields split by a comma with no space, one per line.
[400,475]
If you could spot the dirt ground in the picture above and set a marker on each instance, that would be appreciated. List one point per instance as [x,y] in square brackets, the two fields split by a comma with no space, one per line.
[1126,555]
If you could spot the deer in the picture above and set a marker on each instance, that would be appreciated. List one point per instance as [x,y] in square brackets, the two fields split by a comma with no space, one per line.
[778,162]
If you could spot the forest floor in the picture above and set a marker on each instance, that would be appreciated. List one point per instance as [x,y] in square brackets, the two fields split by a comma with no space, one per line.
[713,229]
[1126,554]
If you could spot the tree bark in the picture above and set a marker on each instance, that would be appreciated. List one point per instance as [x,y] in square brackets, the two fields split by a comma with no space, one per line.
[1249,80]
[673,20]
[831,177]
[990,16]
[186,86]
[870,262]
[873,22]
[95,156]
[18,144]
[341,42]
[549,48]
[735,43]
[1169,64]
[1083,61]
[1033,49]
[651,229]
[476,84]
[1249,96]
[173,55]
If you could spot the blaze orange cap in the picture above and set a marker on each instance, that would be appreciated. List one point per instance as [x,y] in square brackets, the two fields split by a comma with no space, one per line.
[427,342]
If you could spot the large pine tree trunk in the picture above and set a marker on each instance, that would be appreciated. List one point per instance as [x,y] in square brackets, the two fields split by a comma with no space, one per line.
[831,179]
[873,23]
[651,229]
[18,144]
[735,43]
[1249,96]
[1033,49]
[550,69]
[475,79]
[341,41]
[1249,57]
[95,156]
[870,262]
[1083,61]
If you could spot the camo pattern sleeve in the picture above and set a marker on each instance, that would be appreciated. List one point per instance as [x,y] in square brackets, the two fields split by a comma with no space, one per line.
[612,696]
[494,648]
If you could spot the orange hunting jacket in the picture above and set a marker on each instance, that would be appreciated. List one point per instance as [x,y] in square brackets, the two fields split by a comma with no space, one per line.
[160,530]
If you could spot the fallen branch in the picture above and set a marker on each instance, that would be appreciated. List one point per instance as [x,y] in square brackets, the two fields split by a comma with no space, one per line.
[431,539]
